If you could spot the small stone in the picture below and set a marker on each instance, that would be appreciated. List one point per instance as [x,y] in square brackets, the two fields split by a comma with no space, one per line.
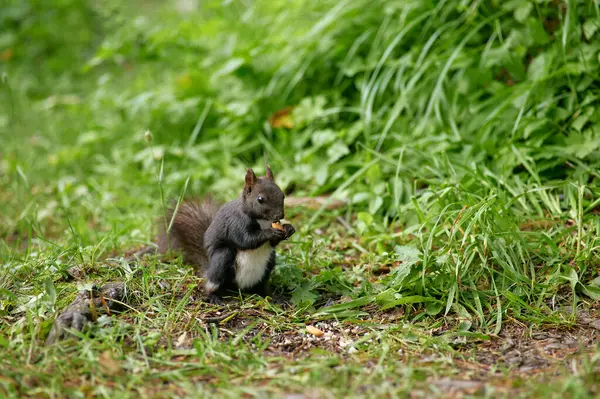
[526,369]
[595,324]
[509,344]
[554,346]
[571,342]
[513,358]
[447,384]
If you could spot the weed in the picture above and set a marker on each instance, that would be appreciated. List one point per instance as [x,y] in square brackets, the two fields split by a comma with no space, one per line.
[461,139]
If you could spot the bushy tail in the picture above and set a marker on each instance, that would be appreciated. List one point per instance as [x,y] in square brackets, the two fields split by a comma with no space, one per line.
[187,231]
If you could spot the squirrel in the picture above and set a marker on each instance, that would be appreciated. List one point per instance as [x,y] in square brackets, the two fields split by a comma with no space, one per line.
[233,245]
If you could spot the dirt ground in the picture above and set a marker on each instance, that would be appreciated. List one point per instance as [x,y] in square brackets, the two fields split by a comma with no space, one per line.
[518,353]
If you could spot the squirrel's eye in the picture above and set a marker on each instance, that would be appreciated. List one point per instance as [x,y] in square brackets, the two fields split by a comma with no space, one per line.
[261,199]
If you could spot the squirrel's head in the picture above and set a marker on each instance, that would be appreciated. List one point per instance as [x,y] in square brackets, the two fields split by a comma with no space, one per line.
[262,198]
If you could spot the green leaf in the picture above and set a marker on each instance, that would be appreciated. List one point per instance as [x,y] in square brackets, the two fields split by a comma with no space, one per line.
[407,253]
[322,173]
[582,119]
[365,217]
[337,151]
[475,335]
[85,286]
[50,290]
[538,67]
[570,275]
[321,138]
[229,67]
[465,323]
[309,109]
[409,256]
[535,30]
[450,299]
[361,197]
[364,221]
[387,296]
[595,282]
[303,295]
[387,301]
[433,308]
[591,291]
[400,273]
[590,27]
[375,204]
[7,294]
[335,309]
[522,12]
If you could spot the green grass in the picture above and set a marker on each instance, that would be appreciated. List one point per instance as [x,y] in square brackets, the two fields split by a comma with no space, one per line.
[463,138]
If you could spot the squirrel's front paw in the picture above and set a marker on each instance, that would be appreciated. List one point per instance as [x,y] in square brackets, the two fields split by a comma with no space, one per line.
[276,236]
[214,299]
[289,230]
[280,300]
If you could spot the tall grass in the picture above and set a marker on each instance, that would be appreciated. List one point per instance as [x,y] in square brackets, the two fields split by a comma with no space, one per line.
[464,135]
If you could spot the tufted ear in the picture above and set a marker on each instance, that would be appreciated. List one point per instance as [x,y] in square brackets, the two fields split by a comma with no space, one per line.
[250,181]
[269,173]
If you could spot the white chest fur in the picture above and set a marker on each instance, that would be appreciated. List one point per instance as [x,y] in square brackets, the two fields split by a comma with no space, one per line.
[250,266]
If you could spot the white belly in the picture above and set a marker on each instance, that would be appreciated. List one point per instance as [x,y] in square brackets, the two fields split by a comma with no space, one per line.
[250,266]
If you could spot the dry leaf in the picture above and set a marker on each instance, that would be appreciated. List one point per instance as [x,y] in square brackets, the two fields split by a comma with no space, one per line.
[108,364]
[6,55]
[181,340]
[76,272]
[314,331]
[282,118]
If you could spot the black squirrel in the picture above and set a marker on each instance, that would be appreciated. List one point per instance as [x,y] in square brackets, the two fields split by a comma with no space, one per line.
[233,245]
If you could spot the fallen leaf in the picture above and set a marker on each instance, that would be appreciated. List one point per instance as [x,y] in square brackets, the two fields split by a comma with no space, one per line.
[6,55]
[282,118]
[181,340]
[76,272]
[454,386]
[108,364]
[314,331]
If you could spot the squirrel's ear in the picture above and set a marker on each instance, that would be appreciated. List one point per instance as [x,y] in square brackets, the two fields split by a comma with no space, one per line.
[250,180]
[269,173]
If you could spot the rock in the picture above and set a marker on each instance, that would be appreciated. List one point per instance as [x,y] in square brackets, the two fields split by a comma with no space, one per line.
[509,344]
[85,309]
[449,385]
[595,324]
[513,358]
[76,272]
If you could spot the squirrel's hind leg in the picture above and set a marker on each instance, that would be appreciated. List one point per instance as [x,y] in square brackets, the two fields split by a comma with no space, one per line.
[218,272]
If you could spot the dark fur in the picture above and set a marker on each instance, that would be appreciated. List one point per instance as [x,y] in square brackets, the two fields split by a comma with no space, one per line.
[210,239]
[187,232]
